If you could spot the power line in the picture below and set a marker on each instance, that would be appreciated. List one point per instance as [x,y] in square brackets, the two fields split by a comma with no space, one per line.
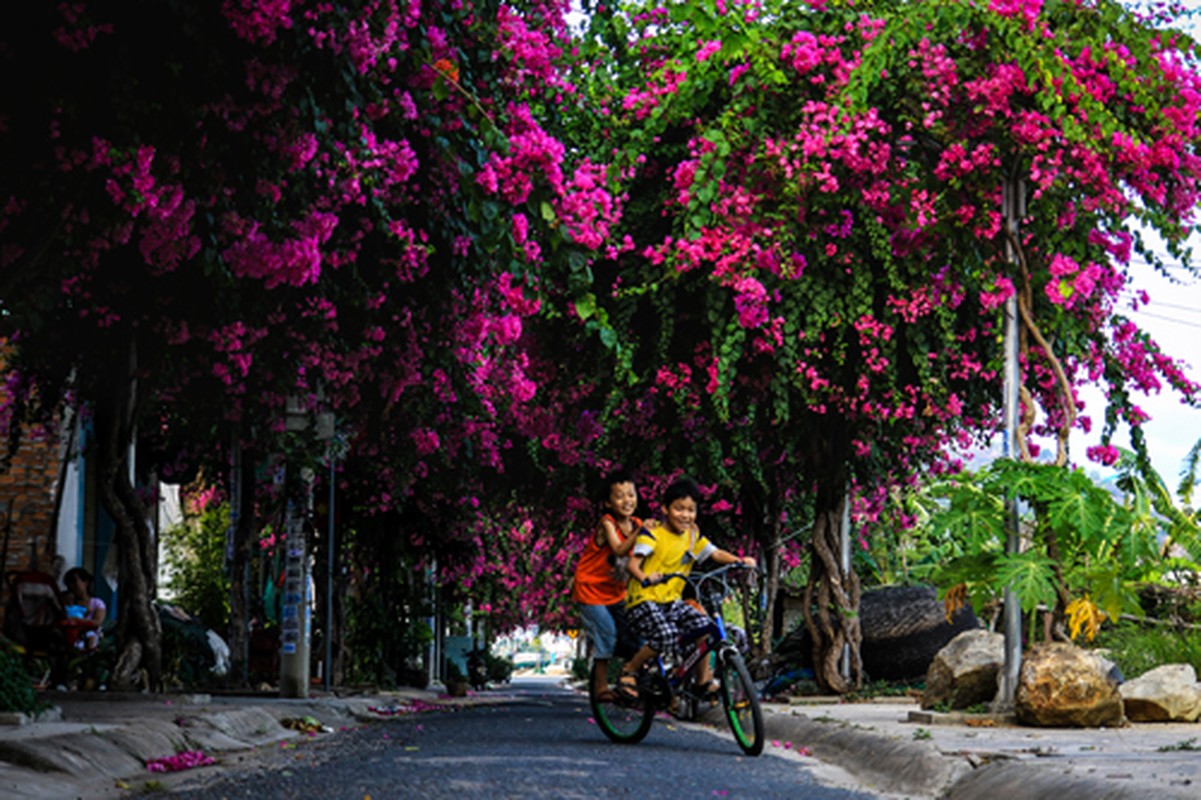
[1185,323]
[1189,309]
[1175,266]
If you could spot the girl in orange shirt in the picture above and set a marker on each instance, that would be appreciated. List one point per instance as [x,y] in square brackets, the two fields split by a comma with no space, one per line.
[600,588]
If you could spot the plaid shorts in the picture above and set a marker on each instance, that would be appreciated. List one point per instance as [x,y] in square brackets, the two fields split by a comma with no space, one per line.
[662,624]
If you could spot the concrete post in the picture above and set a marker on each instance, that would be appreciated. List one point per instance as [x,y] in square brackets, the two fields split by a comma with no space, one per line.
[1015,207]
[295,624]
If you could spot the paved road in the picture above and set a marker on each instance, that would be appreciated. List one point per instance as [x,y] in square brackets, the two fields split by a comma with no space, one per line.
[537,743]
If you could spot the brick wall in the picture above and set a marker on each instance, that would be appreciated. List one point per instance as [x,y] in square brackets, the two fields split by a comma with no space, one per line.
[27,495]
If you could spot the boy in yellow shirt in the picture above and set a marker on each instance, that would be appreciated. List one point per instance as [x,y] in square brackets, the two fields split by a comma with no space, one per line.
[654,604]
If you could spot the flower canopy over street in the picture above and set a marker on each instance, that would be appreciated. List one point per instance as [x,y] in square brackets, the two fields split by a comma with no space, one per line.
[813,303]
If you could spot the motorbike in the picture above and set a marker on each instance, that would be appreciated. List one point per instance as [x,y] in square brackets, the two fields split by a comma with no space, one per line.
[477,668]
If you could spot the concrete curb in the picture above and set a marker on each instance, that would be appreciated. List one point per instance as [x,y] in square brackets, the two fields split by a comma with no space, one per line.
[1019,780]
[234,729]
[45,764]
[899,765]
[887,764]
[882,763]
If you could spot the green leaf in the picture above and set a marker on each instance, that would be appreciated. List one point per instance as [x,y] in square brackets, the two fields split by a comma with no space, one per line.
[1111,593]
[1031,576]
[586,306]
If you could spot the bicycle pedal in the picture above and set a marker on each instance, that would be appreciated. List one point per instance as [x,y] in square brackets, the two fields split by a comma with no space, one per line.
[684,708]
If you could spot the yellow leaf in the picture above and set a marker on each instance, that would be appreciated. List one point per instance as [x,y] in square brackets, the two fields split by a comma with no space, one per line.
[955,599]
[1084,614]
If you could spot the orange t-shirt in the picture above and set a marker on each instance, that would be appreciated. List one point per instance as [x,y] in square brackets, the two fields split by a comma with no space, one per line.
[595,584]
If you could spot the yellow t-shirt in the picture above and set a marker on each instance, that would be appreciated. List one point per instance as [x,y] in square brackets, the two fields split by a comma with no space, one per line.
[665,551]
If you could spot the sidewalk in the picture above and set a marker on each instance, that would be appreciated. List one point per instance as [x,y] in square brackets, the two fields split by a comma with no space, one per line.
[890,747]
[93,745]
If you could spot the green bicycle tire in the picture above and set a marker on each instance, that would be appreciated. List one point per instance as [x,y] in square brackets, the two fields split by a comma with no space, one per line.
[622,721]
[741,703]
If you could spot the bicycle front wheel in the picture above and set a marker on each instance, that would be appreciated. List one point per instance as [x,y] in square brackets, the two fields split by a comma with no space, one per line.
[741,703]
[624,719]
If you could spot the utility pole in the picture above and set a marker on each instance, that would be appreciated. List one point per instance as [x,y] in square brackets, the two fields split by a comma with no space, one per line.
[295,614]
[1014,201]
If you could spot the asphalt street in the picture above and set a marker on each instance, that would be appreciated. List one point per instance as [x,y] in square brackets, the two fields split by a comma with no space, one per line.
[539,743]
[536,740]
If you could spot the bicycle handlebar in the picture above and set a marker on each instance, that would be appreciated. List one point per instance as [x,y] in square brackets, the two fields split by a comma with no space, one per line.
[698,578]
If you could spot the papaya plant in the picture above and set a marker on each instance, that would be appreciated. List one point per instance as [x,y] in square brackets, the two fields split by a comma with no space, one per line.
[1084,550]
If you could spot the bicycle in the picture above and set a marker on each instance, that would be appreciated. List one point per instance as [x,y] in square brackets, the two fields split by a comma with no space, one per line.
[672,687]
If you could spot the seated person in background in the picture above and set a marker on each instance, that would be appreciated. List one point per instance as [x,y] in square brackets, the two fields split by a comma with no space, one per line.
[81,605]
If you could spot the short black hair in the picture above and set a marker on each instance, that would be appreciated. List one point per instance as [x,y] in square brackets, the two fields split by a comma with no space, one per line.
[680,488]
[610,480]
[77,572]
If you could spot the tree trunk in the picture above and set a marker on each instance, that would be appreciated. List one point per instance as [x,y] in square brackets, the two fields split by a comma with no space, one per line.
[139,633]
[240,607]
[831,603]
[772,557]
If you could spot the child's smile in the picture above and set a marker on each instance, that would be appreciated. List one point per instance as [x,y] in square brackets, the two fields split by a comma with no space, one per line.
[681,514]
[623,499]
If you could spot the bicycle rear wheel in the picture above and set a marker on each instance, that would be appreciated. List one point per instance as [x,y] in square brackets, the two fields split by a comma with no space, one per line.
[741,703]
[624,720]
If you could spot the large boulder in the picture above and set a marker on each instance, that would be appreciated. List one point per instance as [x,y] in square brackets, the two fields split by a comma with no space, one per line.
[1064,686]
[1165,694]
[964,673]
[903,628]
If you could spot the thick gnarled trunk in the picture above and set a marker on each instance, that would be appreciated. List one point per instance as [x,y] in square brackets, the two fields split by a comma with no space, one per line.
[831,605]
[139,634]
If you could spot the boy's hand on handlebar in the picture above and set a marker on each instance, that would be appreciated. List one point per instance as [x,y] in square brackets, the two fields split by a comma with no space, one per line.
[747,560]
[652,579]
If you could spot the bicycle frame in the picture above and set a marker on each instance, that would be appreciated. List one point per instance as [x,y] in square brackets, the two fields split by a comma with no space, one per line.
[695,646]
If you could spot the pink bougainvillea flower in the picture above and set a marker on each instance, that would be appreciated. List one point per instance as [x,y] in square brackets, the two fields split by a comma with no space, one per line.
[707,50]
[188,759]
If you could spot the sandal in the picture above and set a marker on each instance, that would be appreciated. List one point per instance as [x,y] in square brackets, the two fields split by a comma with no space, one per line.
[711,689]
[606,695]
[627,686]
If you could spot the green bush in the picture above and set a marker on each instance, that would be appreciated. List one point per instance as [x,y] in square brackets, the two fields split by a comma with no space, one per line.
[194,551]
[16,687]
[1137,649]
